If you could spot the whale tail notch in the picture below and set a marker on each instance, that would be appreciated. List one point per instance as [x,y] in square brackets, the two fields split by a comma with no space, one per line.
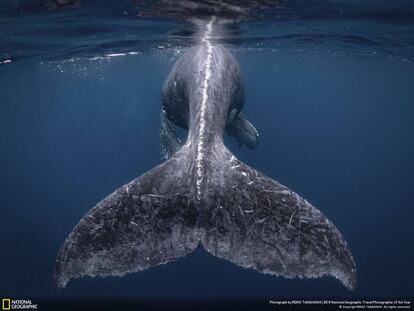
[244,217]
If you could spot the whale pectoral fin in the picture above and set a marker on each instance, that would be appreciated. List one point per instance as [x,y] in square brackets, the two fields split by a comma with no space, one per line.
[147,222]
[231,116]
[169,141]
[244,132]
[258,223]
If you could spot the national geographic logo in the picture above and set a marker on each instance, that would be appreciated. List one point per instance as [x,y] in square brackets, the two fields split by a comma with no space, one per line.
[17,304]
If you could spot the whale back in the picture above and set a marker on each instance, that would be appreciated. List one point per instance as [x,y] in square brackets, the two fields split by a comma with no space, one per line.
[182,95]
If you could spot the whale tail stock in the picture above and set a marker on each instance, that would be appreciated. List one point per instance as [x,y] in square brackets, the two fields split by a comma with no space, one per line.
[244,217]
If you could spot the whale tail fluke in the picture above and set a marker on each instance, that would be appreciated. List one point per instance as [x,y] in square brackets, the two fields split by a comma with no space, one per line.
[243,216]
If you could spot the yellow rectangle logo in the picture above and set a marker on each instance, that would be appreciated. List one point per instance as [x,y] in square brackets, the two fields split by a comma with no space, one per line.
[5,304]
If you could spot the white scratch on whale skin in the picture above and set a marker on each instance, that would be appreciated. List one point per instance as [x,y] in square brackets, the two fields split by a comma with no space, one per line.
[204,90]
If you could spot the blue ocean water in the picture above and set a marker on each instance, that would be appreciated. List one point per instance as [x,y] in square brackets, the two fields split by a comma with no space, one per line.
[329,86]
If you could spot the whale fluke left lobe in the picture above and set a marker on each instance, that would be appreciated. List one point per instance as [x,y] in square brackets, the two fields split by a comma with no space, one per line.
[145,223]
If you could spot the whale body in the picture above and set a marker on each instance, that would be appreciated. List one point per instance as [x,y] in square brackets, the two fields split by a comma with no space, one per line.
[202,195]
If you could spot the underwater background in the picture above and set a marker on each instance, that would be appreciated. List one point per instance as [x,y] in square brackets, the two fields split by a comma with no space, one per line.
[329,86]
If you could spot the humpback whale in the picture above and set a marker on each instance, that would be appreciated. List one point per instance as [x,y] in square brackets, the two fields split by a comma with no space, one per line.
[202,195]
